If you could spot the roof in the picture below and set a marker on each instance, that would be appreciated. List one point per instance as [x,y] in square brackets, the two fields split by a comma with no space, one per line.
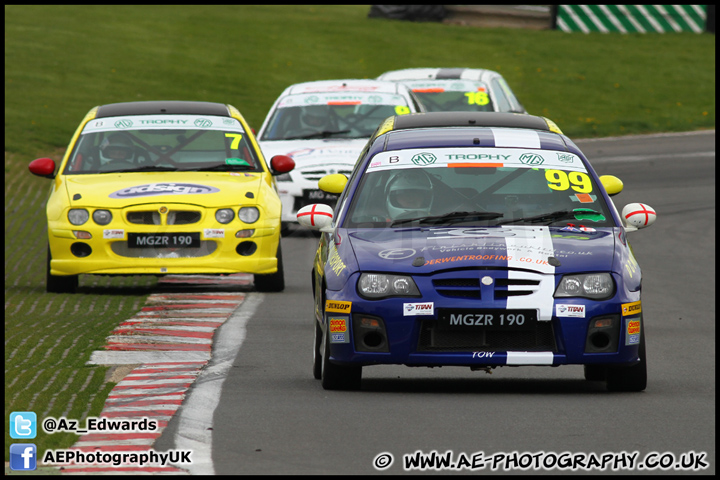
[162,107]
[346,85]
[470,119]
[436,74]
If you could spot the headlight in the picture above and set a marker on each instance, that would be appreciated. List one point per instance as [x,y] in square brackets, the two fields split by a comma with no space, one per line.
[379,285]
[598,286]
[285,177]
[224,215]
[248,214]
[78,216]
[102,217]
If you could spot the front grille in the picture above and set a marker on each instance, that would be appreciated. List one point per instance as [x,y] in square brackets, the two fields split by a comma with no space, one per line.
[469,287]
[174,217]
[435,337]
[183,217]
[502,291]
[458,287]
[144,218]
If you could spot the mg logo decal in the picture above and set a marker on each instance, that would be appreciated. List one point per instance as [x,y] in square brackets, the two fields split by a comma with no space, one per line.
[201,122]
[123,123]
[531,159]
[424,158]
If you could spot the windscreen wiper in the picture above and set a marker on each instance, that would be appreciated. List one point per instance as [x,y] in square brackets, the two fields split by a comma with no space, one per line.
[548,218]
[222,167]
[323,134]
[451,217]
[146,168]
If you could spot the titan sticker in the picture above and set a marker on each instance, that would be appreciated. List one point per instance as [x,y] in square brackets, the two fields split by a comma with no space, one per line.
[413,309]
[563,310]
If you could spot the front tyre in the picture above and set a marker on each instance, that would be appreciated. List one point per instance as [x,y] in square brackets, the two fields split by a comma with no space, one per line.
[629,379]
[317,356]
[338,377]
[57,283]
[273,282]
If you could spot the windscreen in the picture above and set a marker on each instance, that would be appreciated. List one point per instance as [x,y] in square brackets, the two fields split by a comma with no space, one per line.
[477,186]
[162,143]
[332,115]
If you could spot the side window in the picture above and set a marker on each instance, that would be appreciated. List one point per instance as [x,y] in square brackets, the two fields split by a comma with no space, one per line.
[502,102]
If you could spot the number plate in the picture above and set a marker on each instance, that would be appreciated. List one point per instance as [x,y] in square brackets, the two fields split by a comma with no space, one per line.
[164,240]
[318,196]
[490,319]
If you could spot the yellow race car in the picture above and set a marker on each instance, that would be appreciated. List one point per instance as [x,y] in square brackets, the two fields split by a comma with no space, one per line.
[163,187]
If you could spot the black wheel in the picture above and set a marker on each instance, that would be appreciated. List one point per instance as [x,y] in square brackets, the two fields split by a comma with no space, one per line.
[59,284]
[317,356]
[273,282]
[629,379]
[595,373]
[338,377]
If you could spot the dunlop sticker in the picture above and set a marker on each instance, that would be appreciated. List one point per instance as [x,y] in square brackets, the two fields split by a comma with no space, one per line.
[631,308]
[337,306]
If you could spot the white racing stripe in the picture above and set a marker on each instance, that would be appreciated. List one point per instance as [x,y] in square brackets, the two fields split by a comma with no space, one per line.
[529,358]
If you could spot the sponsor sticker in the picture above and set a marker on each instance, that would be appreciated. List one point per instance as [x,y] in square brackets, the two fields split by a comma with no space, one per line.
[563,310]
[338,325]
[631,308]
[338,306]
[633,332]
[214,233]
[110,234]
[163,189]
[413,309]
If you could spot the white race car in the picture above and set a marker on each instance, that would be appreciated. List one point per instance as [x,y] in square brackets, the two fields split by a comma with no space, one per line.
[323,126]
[458,89]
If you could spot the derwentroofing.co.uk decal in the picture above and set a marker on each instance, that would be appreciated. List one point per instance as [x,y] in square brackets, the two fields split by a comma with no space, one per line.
[163,189]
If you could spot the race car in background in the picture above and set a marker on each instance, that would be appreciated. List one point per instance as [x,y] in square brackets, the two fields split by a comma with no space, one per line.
[479,240]
[323,126]
[164,187]
[458,89]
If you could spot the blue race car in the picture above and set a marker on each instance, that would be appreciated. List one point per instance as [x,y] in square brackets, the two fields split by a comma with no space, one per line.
[480,240]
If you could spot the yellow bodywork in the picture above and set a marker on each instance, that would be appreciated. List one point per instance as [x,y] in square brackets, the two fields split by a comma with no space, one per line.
[204,193]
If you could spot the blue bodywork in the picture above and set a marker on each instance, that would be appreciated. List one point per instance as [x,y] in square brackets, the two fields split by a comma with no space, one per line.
[459,268]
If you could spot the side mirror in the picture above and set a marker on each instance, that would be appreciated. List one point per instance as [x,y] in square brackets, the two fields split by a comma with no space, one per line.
[43,167]
[333,183]
[280,164]
[317,216]
[638,215]
[613,185]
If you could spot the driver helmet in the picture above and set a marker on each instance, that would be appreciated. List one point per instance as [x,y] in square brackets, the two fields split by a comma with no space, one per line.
[409,194]
[117,146]
[316,117]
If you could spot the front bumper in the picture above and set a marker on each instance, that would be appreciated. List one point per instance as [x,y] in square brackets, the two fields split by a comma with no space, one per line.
[423,340]
[107,252]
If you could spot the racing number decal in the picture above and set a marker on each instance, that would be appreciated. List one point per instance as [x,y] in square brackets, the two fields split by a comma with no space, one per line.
[402,110]
[236,140]
[477,98]
[559,180]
